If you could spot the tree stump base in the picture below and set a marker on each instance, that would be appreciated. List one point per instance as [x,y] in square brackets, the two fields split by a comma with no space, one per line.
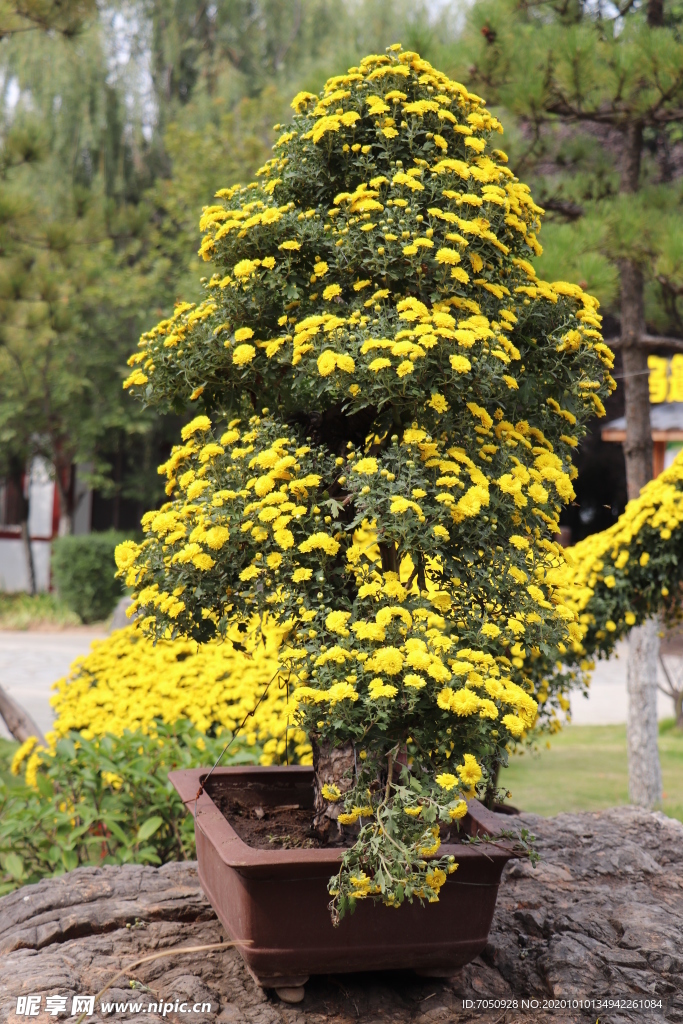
[600,918]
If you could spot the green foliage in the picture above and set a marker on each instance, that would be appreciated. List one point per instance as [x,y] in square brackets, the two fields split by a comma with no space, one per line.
[26,611]
[103,175]
[105,801]
[585,84]
[83,570]
[66,17]
[571,252]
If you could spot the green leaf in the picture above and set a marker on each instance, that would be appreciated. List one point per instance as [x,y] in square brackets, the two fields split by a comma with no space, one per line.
[14,866]
[69,859]
[116,830]
[149,827]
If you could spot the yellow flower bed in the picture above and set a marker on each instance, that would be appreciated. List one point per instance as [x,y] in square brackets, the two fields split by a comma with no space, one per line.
[127,682]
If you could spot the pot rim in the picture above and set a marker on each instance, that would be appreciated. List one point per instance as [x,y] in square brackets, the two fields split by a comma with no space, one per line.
[234,852]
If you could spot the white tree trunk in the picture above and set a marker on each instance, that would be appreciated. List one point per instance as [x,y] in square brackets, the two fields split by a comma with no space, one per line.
[644,772]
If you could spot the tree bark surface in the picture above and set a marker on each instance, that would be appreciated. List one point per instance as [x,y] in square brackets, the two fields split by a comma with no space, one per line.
[638,443]
[645,785]
[28,552]
[644,772]
[17,473]
[65,492]
[18,721]
[600,917]
[332,766]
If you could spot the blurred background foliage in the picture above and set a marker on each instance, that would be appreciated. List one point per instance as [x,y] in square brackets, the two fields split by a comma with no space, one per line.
[117,125]
[120,120]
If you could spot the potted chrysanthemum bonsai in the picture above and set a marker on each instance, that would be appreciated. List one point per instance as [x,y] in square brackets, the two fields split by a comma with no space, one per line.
[389,402]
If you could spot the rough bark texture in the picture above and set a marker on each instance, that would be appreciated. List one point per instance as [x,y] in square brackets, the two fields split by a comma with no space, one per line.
[17,469]
[65,492]
[332,766]
[644,772]
[645,786]
[638,443]
[28,551]
[601,917]
[18,721]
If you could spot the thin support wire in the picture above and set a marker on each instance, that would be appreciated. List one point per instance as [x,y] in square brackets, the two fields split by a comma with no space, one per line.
[235,734]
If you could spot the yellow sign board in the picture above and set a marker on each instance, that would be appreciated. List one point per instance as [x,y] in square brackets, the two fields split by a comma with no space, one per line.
[666,379]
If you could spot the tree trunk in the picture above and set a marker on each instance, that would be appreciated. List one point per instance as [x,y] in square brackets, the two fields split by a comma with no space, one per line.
[19,723]
[65,492]
[644,772]
[332,766]
[17,473]
[638,443]
[678,706]
[28,550]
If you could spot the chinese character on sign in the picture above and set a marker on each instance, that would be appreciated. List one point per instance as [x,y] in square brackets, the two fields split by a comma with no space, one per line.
[55,1005]
[28,1006]
[659,381]
[666,379]
[676,379]
[83,1004]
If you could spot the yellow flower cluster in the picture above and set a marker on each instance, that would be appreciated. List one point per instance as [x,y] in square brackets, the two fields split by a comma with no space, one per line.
[126,682]
[392,507]
[632,570]
[428,219]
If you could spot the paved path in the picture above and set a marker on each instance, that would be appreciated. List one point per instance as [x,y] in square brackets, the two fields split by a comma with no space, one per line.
[607,702]
[30,662]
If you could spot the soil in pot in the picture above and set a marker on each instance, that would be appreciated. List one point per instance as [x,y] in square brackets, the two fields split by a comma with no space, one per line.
[287,826]
[283,827]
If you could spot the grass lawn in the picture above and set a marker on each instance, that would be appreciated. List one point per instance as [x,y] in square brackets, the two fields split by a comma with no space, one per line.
[42,611]
[585,770]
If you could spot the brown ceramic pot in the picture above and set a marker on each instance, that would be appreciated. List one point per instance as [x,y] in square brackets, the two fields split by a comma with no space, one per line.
[277,900]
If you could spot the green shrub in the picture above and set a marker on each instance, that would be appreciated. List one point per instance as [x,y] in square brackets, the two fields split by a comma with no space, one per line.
[83,570]
[105,801]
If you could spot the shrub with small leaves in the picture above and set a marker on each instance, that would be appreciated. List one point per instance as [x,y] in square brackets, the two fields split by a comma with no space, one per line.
[102,801]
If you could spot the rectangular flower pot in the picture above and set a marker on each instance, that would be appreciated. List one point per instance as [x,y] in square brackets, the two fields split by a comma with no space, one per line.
[277,900]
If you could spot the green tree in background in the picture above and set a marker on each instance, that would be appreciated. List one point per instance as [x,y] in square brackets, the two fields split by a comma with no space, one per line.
[65,17]
[598,93]
[117,126]
[70,233]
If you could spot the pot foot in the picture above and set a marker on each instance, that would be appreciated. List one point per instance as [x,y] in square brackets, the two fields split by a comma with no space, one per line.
[291,995]
[289,987]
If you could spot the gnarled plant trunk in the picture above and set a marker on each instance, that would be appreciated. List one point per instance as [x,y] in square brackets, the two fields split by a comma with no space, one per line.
[644,772]
[332,766]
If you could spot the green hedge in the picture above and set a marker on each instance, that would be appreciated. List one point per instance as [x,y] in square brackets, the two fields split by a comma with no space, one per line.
[83,571]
